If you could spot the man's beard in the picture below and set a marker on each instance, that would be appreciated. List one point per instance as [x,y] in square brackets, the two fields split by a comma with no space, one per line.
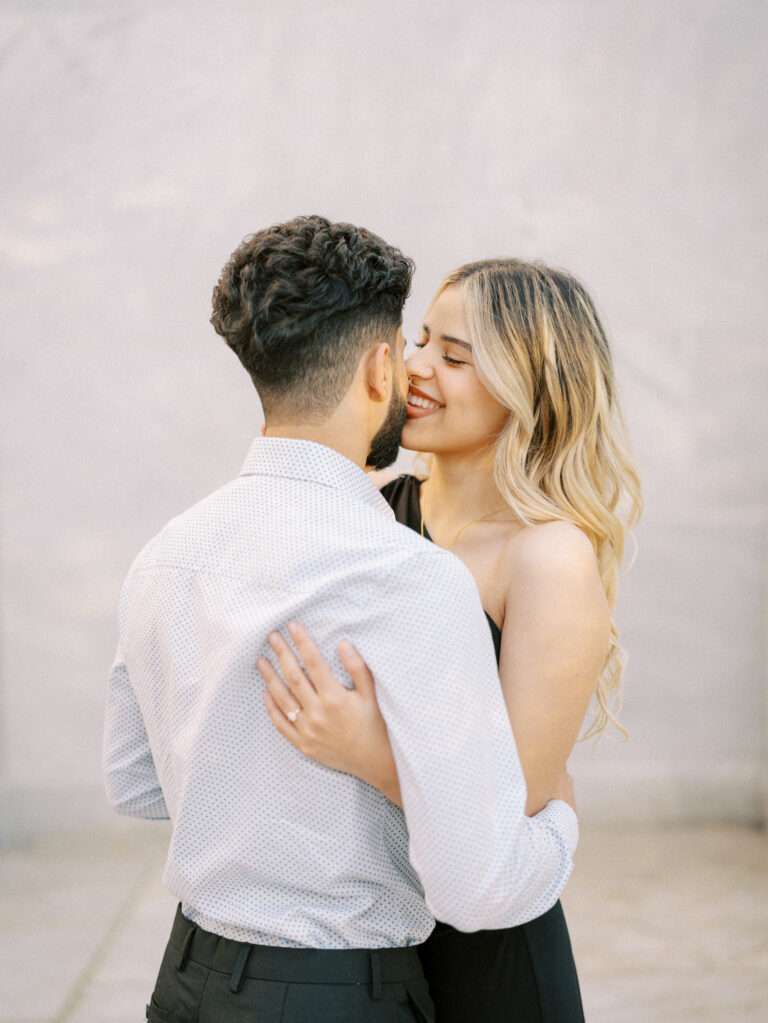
[385,446]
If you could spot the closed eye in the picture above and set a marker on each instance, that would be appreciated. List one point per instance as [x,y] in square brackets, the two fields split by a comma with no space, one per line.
[446,358]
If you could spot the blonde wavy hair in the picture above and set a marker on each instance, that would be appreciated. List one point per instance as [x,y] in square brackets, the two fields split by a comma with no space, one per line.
[541,352]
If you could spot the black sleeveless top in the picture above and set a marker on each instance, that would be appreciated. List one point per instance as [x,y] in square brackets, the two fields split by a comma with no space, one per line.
[404,497]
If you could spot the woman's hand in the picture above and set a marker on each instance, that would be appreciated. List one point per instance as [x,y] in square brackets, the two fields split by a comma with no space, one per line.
[339,727]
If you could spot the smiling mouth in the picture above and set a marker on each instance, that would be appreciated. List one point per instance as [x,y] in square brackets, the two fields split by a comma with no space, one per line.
[417,402]
[420,405]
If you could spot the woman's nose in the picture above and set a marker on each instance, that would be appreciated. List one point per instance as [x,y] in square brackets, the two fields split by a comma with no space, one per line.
[417,365]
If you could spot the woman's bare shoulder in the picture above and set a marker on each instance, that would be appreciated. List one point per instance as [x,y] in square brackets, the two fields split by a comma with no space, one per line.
[550,574]
[549,550]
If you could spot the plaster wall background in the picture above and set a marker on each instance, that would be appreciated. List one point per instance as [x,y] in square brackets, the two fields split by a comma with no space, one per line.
[622,141]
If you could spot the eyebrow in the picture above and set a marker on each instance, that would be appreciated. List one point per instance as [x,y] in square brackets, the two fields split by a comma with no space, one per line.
[451,340]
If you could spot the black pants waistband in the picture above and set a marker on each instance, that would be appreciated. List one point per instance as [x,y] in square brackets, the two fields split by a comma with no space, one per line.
[291,965]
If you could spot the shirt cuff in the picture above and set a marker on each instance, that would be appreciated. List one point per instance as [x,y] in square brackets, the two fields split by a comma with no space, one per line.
[560,816]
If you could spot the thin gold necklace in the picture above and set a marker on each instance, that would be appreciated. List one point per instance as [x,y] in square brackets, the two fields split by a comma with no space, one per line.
[472,522]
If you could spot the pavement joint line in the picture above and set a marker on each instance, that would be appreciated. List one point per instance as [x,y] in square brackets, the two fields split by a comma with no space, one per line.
[94,964]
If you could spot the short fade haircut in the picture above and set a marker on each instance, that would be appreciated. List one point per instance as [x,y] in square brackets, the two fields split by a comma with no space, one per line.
[300,302]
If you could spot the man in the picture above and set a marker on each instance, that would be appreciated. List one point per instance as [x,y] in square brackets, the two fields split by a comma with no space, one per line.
[303,891]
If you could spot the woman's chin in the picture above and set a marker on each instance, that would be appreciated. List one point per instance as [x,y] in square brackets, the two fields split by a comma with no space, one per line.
[415,439]
[408,440]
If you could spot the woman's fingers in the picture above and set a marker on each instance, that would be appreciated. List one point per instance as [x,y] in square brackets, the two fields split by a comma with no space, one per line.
[293,674]
[279,720]
[285,701]
[320,672]
[358,670]
[337,726]
[318,669]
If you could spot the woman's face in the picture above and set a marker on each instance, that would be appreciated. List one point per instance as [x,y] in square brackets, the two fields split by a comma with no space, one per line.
[449,409]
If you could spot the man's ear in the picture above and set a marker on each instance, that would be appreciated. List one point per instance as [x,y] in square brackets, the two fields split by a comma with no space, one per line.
[378,371]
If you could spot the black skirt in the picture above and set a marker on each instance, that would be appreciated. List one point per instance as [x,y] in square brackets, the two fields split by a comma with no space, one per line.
[523,974]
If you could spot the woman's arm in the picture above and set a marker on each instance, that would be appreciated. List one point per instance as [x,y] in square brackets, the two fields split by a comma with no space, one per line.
[554,643]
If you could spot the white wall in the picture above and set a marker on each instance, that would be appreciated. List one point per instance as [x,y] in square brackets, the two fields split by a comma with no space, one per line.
[623,141]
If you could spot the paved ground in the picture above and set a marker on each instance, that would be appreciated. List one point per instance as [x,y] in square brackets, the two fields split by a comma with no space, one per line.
[667,926]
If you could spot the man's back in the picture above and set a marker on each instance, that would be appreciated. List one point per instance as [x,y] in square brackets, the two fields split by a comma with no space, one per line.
[269,847]
[260,832]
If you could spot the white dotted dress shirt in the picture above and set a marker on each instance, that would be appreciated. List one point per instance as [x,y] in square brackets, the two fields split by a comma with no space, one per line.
[268,846]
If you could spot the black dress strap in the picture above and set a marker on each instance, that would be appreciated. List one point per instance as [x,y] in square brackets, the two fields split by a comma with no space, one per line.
[402,495]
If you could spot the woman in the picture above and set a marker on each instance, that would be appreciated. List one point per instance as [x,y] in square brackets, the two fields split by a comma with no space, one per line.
[512,392]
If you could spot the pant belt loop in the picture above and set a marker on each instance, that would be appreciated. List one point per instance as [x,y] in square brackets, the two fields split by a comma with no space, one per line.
[376,987]
[239,968]
[184,954]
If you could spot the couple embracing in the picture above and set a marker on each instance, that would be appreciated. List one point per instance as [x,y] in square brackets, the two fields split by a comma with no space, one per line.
[355,695]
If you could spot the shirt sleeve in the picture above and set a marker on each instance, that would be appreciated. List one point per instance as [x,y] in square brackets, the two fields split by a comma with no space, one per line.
[129,770]
[483,864]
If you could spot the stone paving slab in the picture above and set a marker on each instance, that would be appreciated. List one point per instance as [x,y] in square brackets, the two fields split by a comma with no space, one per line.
[118,991]
[671,926]
[667,927]
[62,904]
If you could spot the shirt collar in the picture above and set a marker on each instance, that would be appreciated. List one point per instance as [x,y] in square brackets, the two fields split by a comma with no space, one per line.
[312,462]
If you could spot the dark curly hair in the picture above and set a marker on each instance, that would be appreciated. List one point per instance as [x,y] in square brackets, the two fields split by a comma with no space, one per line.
[300,302]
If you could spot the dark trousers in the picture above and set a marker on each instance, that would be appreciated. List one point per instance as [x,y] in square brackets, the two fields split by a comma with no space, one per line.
[208,979]
[524,974]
